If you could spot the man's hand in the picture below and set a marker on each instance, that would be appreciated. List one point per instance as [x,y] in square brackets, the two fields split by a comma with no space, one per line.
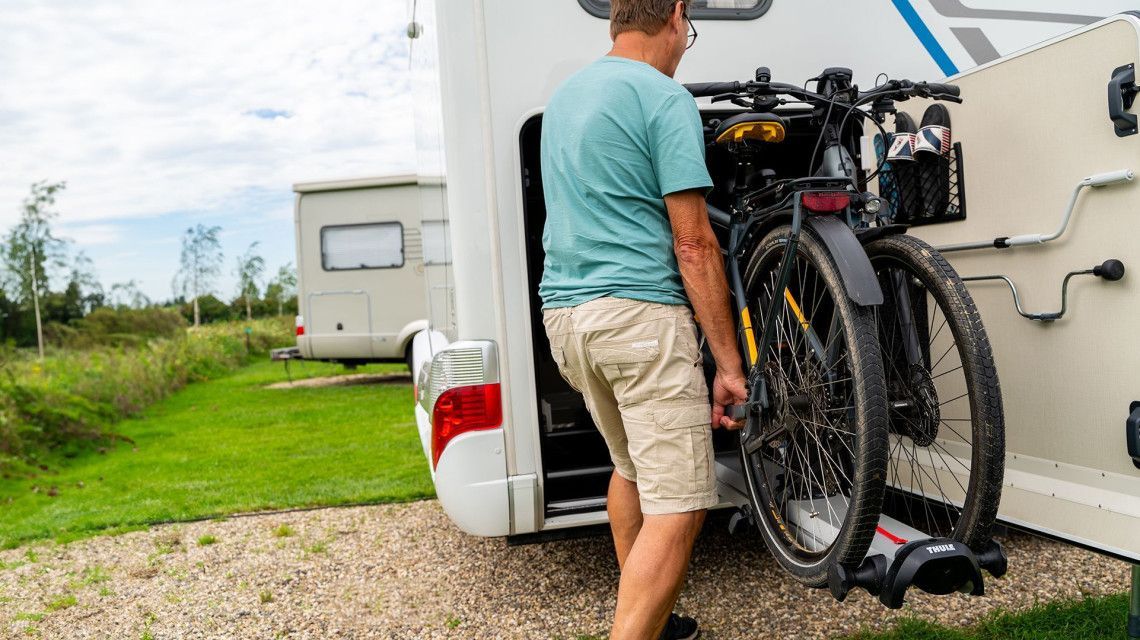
[728,388]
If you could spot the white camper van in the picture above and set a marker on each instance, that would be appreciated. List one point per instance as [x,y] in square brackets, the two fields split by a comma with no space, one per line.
[360,266]
[510,451]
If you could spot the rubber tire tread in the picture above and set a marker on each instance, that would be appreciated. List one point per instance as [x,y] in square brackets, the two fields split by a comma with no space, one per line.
[872,433]
[987,467]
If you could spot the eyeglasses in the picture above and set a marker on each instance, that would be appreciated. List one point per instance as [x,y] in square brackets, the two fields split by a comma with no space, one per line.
[692,31]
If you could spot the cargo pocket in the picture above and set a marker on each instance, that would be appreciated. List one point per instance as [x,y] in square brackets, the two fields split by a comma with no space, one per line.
[569,374]
[684,378]
[626,367]
[686,452]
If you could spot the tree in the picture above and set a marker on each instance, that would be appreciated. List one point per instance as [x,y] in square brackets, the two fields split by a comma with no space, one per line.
[127,295]
[282,287]
[211,309]
[249,268]
[30,248]
[82,276]
[201,262]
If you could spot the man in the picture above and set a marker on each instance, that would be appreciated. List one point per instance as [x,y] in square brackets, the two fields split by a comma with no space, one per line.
[629,248]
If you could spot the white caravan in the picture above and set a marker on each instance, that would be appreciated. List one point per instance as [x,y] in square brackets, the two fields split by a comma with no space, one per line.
[510,450]
[360,266]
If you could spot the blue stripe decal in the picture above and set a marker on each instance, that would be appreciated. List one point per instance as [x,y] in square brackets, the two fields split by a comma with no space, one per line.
[925,37]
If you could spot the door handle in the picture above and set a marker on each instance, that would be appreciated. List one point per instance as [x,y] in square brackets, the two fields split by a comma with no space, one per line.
[1122,91]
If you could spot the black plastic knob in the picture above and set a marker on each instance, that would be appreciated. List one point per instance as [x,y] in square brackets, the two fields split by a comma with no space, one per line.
[1111,270]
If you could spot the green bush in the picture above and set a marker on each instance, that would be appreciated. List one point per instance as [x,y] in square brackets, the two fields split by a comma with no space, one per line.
[73,398]
[106,327]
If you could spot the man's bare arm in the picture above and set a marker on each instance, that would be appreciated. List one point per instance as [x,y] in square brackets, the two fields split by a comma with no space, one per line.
[702,271]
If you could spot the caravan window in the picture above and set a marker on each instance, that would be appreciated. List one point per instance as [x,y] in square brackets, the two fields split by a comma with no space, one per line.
[362,246]
[437,242]
[707,9]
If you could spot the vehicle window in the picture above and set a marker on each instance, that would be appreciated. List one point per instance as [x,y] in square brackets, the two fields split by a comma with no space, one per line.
[706,9]
[362,246]
[437,245]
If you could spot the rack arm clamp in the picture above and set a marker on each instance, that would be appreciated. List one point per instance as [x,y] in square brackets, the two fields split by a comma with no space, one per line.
[936,565]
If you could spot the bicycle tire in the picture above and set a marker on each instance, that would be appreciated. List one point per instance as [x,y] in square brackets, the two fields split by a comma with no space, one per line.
[972,522]
[856,441]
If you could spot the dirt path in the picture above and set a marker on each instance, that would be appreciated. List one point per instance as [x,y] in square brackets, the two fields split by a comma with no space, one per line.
[404,571]
[346,380]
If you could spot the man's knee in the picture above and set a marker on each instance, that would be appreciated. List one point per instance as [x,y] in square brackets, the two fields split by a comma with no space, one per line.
[676,525]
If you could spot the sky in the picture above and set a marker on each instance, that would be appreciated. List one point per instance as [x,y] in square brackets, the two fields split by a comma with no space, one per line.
[163,115]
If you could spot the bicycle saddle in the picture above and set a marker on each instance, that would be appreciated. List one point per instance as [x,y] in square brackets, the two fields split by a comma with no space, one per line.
[764,127]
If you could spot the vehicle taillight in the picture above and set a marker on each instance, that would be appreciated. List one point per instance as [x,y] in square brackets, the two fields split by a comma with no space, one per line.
[464,409]
[300,325]
[827,201]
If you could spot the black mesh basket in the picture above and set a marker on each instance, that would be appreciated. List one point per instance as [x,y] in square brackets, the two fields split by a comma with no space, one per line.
[920,192]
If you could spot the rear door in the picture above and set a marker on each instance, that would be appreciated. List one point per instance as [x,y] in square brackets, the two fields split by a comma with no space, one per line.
[1032,126]
[340,324]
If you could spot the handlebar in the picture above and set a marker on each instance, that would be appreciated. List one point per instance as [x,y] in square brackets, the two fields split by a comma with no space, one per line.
[942,89]
[905,89]
[901,89]
[705,89]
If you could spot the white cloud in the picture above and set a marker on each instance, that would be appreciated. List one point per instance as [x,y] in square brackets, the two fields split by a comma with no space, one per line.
[145,108]
[90,235]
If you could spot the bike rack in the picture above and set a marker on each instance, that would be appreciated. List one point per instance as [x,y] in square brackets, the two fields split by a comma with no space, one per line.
[1005,242]
[900,556]
[1111,270]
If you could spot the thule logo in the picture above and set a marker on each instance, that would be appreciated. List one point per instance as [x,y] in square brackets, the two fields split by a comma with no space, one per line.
[939,548]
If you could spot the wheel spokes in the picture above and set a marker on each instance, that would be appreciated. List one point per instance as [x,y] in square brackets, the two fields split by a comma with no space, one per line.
[926,400]
[804,454]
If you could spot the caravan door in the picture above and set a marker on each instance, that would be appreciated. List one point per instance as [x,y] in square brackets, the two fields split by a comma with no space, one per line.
[1032,126]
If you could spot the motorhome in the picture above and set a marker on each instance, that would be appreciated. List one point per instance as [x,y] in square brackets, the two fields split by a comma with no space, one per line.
[512,454]
[361,256]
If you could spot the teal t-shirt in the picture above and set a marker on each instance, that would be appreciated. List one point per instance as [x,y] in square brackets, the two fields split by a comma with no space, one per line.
[617,137]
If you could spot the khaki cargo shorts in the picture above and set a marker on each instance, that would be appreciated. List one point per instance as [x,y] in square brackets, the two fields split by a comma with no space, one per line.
[638,366]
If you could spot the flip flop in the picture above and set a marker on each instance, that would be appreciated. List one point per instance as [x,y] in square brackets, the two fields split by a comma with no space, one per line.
[932,155]
[904,169]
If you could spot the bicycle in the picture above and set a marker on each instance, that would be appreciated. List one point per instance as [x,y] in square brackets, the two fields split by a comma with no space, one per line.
[843,389]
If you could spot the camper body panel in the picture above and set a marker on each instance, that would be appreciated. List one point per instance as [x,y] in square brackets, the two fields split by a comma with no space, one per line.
[1067,385]
[498,64]
[359,262]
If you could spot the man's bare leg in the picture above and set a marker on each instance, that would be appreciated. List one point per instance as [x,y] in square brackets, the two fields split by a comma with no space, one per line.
[624,506]
[653,574]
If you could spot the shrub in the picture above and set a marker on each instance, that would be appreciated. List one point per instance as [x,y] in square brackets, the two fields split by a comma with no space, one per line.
[72,399]
[106,327]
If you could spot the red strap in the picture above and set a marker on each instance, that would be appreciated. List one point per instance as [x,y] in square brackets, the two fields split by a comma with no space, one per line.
[890,536]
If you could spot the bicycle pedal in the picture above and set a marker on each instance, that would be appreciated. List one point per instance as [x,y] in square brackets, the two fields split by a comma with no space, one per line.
[736,411]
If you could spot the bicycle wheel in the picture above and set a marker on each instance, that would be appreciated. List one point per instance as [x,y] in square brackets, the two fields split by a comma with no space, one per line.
[815,460]
[947,451]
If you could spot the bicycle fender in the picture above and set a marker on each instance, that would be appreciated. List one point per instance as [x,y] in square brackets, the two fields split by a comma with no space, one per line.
[854,267]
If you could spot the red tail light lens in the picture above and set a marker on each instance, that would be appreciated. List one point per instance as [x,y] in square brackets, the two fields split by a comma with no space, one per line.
[827,201]
[461,410]
[300,326]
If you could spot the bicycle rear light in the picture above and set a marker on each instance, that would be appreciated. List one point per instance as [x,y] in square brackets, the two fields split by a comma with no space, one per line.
[826,201]
[762,131]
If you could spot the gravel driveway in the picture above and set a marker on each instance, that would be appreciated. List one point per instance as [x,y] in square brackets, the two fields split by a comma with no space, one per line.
[404,571]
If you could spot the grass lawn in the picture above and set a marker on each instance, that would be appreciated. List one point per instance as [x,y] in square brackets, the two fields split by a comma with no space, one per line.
[231,445]
[1090,618]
